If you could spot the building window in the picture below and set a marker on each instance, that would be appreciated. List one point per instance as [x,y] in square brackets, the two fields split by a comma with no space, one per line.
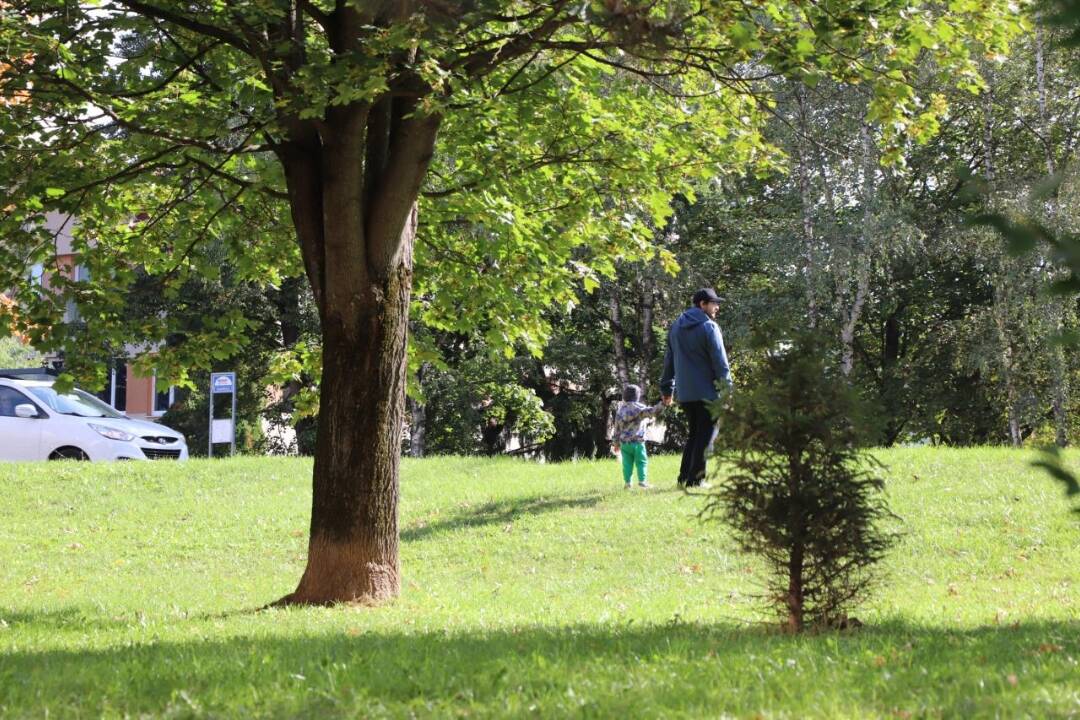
[163,398]
[115,392]
[72,314]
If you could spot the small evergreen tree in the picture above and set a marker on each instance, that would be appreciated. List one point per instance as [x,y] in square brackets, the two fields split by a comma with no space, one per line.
[793,481]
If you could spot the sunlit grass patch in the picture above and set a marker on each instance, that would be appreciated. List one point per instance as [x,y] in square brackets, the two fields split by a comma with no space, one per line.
[528,589]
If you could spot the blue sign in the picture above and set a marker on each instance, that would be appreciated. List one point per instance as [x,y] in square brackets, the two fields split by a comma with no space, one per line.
[222,382]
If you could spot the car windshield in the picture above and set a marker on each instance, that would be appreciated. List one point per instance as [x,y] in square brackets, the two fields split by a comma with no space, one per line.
[75,402]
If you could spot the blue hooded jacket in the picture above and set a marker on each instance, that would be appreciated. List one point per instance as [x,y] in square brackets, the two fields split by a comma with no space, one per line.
[695,359]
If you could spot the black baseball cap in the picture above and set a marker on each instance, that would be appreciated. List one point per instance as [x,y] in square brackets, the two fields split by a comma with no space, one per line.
[705,295]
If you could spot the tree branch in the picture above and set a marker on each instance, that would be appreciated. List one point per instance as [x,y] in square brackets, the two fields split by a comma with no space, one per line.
[412,145]
[152,11]
[315,13]
[229,177]
[188,62]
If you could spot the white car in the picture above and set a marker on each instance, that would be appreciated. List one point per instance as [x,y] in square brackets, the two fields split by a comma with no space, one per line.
[38,423]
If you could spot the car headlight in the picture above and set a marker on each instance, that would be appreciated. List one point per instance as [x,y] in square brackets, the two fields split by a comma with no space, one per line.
[112,433]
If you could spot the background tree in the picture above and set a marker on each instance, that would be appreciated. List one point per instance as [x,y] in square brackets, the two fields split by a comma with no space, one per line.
[927,346]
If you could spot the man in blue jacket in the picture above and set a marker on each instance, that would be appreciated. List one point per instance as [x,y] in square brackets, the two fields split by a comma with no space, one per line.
[694,363]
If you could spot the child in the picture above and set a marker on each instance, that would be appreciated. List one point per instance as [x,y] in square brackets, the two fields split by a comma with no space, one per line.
[630,421]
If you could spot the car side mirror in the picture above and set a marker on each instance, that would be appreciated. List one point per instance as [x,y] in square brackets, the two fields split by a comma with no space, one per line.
[26,411]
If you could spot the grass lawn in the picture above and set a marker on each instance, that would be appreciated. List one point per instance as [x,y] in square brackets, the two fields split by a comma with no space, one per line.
[132,590]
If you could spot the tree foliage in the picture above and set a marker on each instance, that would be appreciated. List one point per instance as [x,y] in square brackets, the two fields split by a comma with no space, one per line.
[543,138]
[157,124]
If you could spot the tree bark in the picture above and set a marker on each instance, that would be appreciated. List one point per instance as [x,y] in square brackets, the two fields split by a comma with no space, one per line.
[809,266]
[861,258]
[795,589]
[417,419]
[1058,308]
[1002,294]
[601,430]
[797,558]
[1060,401]
[648,337]
[1044,116]
[618,339]
[1012,398]
[353,183]
[890,347]
[353,550]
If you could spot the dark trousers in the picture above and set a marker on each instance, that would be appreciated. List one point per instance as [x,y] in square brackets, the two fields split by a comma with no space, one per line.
[701,429]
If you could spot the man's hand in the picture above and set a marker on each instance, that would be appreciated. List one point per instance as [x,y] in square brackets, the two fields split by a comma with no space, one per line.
[667,400]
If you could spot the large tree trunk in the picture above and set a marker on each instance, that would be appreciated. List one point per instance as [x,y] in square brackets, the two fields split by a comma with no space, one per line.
[353,183]
[353,550]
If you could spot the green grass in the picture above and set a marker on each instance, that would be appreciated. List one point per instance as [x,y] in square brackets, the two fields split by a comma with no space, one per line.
[131,590]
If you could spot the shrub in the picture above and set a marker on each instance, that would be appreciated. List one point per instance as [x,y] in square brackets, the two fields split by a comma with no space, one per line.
[794,483]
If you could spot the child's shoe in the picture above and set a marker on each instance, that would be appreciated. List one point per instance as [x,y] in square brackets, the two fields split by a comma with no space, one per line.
[644,486]
[627,486]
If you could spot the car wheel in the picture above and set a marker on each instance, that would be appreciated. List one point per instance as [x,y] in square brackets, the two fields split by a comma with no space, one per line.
[68,453]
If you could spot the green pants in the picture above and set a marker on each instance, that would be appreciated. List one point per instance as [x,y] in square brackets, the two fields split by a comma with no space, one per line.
[633,454]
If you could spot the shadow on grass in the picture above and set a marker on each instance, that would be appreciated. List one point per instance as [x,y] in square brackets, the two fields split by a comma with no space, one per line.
[81,619]
[63,619]
[595,670]
[494,513]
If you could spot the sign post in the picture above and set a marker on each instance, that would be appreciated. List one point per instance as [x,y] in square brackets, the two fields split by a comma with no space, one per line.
[223,430]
